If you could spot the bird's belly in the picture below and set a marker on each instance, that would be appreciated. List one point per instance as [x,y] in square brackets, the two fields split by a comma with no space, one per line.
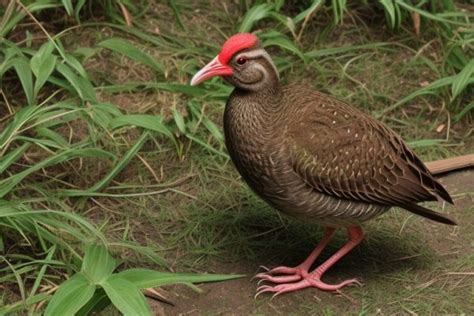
[283,189]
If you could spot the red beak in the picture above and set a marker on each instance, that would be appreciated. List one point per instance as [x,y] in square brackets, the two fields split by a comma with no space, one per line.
[214,68]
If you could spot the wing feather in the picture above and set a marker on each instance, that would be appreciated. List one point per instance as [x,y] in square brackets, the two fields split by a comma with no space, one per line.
[343,152]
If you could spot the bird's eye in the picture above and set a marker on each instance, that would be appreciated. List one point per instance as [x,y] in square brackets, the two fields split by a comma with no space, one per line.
[241,60]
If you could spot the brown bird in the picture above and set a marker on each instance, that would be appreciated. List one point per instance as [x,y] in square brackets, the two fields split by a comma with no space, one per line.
[314,157]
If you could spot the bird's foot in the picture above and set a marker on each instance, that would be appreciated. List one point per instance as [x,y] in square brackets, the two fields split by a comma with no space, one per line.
[300,279]
[289,274]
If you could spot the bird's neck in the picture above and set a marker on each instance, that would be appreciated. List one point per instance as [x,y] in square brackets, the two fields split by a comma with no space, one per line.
[263,102]
[252,114]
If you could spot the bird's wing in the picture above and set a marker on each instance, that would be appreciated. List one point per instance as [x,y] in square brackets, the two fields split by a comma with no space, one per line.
[343,152]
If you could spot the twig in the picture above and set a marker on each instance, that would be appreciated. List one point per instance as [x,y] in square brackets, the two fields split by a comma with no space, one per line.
[450,164]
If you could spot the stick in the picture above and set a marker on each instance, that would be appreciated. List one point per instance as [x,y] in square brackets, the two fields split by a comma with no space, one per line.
[450,164]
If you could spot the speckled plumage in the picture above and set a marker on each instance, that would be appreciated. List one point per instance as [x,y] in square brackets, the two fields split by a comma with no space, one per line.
[312,156]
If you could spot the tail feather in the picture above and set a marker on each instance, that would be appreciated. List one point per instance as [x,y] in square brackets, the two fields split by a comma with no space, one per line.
[427,213]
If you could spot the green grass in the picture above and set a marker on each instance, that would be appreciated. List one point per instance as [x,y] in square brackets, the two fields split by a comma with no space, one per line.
[104,142]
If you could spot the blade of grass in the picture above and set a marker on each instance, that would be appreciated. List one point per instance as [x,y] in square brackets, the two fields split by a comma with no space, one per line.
[128,49]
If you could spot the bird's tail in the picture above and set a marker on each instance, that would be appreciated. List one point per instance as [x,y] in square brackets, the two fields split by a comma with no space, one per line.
[427,213]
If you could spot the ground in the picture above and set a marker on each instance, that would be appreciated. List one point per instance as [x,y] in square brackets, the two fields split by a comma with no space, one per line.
[407,266]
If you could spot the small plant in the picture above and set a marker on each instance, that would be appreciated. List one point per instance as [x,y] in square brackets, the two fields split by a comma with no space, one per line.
[96,285]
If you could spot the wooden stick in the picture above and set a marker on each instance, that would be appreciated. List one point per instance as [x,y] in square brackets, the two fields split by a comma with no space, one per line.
[450,164]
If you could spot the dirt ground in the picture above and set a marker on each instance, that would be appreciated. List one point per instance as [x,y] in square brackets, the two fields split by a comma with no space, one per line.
[395,280]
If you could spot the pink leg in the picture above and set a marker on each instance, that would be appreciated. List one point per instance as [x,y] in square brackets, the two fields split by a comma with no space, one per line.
[313,279]
[297,273]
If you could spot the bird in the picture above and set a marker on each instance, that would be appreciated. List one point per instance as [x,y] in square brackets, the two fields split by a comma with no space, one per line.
[314,157]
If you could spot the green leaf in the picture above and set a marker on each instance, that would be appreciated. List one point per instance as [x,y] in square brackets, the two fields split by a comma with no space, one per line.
[68,6]
[390,11]
[46,68]
[98,302]
[52,135]
[12,156]
[20,306]
[144,278]
[462,79]
[22,68]
[179,120]
[79,5]
[254,15]
[128,49]
[150,122]
[70,296]
[467,109]
[112,173]
[338,7]
[425,143]
[83,87]
[429,15]
[7,184]
[302,15]
[126,296]
[98,264]
[429,89]
[274,38]
[75,64]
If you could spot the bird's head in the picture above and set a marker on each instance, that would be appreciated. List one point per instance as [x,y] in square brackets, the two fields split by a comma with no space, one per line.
[243,63]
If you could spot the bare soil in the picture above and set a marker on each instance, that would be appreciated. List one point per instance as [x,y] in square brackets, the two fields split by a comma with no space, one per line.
[397,279]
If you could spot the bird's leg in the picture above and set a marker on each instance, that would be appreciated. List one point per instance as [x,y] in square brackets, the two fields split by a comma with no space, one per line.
[313,279]
[298,272]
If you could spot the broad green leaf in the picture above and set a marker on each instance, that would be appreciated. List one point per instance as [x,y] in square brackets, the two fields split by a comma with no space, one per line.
[52,135]
[38,58]
[97,264]
[255,14]
[22,68]
[79,5]
[462,79]
[45,71]
[83,87]
[128,49]
[42,64]
[104,113]
[68,6]
[390,10]
[98,302]
[126,296]
[71,296]
[12,156]
[76,65]
[144,278]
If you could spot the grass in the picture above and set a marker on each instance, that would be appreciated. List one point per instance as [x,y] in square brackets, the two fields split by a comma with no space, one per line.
[103,141]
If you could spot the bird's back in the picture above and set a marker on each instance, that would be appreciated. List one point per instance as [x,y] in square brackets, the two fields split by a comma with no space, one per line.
[312,156]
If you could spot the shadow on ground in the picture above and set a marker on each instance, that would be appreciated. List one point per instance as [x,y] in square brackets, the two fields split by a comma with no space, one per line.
[407,264]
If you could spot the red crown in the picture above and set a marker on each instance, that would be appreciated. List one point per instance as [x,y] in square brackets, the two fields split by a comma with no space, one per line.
[236,43]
